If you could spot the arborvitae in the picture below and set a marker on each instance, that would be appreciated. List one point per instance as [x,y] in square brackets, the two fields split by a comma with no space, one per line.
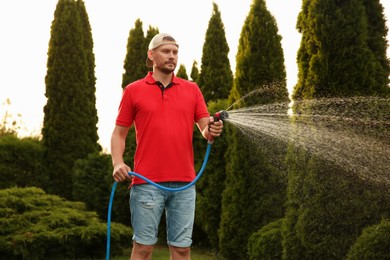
[342,53]
[211,185]
[135,59]
[215,81]
[304,53]
[260,60]
[181,72]
[69,128]
[216,78]
[90,117]
[152,31]
[328,206]
[377,42]
[194,72]
[252,182]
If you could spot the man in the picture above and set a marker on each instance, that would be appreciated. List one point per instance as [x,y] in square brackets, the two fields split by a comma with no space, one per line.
[163,109]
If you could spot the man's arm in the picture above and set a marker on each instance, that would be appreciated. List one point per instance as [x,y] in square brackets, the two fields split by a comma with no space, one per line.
[118,143]
[209,128]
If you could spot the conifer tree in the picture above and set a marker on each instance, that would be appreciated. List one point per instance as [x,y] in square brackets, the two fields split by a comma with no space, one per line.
[194,72]
[260,60]
[341,54]
[252,183]
[216,78]
[69,129]
[211,185]
[135,59]
[377,43]
[181,72]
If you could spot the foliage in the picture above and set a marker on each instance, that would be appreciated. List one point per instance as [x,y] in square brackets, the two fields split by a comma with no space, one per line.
[194,72]
[21,162]
[8,124]
[254,192]
[216,78]
[342,50]
[134,65]
[211,185]
[69,128]
[327,207]
[373,243]
[267,242]
[341,54]
[92,185]
[181,72]
[36,225]
[377,42]
[260,60]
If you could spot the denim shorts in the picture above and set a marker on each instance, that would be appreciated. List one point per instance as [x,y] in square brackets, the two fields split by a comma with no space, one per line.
[147,204]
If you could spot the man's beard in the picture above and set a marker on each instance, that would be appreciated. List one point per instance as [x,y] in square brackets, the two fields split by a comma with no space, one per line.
[166,70]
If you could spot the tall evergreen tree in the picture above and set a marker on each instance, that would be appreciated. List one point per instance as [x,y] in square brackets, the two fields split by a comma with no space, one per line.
[90,89]
[211,185]
[216,78]
[134,65]
[328,206]
[194,72]
[252,182]
[69,128]
[182,72]
[260,60]
[377,42]
[340,55]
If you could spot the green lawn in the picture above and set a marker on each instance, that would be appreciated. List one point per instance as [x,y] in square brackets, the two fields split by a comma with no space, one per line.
[162,253]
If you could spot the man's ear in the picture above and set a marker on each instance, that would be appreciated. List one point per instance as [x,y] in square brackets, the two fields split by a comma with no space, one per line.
[150,55]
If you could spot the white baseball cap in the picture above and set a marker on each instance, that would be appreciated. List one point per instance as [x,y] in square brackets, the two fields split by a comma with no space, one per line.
[157,41]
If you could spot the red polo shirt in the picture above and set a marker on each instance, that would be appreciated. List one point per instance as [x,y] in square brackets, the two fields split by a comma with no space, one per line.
[164,121]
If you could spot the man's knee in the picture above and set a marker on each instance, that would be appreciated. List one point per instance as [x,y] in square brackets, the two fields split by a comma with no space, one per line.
[143,251]
[180,252]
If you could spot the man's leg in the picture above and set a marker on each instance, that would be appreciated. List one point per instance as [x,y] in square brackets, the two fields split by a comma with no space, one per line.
[180,253]
[180,212]
[146,207]
[141,252]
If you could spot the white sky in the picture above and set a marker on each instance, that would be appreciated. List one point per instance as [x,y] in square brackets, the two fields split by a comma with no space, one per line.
[25,33]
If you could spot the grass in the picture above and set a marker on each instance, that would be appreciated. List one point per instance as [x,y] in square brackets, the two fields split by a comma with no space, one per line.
[162,253]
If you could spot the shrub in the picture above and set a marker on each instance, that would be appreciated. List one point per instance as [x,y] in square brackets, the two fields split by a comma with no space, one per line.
[267,242]
[373,243]
[36,225]
[21,162]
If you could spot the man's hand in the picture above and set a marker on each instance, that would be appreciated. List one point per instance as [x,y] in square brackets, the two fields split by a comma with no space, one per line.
[121,172]
[215,128]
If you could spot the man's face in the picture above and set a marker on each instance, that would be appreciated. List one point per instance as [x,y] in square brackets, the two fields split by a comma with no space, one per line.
[165,58]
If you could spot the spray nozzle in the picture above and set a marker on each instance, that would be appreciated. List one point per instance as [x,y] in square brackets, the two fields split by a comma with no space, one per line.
[221,115]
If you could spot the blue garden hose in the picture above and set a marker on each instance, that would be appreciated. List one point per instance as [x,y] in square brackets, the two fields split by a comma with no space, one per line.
[206,157]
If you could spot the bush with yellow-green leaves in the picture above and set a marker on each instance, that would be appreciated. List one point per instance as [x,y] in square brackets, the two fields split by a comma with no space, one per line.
[36,225]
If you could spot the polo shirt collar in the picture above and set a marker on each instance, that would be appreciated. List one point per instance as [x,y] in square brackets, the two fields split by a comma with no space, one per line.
[150,80]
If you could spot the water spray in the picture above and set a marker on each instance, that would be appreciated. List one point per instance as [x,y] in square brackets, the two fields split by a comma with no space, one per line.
[221,115]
